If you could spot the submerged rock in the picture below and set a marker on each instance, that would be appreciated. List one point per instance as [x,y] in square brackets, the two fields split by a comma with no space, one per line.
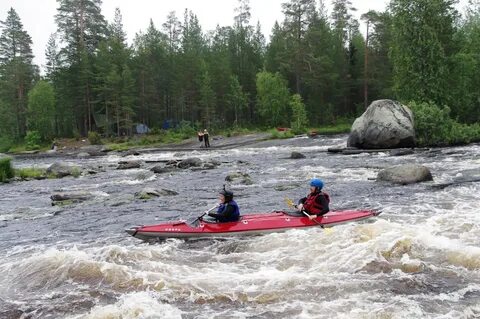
[128,164]
[385,124]
[297,155]
[190,162]
[162,169]
[239,177]
[72,197]
[405,174]
[401,152]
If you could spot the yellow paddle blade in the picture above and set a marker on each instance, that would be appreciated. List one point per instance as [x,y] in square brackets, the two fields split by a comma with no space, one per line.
[289,202]
[328,230]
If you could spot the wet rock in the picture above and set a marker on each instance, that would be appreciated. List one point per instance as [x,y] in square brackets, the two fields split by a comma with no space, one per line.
[405,174]
[83,155]
[297,155]
[401,247]
[144,175]
[148,193]
[412,266]
[240,178]
[281,188]
[214,162]
[128,164]
[466,176]
[91,150]
[162,169]
[209,166]
[73,197]
[60,170]
[401,152]
[385,124]
[96,153]
[172,163]
[377,266]
[190,162]
[167,192]
[131,153]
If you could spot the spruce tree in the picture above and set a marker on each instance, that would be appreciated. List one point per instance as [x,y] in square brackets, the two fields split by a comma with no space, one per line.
[17,71]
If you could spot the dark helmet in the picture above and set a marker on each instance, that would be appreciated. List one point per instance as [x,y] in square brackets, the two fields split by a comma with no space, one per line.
[318,183]
[227,194]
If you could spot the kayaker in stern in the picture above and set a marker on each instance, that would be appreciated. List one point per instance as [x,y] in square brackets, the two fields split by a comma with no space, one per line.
[317,202]
[228,211]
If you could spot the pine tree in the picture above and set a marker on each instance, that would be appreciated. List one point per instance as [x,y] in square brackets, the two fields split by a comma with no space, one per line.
[17,72]
[298,16]
[81,26]
[115,84]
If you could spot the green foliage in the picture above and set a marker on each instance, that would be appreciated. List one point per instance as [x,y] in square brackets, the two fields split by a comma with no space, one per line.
[6,170]
[422,46]
[299,115]
[33,140]
[333,129]
[41,110]
[94,138]
[237,100]
[435,127]
[76,172]
[5,143]
[275,134]
[31,172]
[272,98]
[186,129]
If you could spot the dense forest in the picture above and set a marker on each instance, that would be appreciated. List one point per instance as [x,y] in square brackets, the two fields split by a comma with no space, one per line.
[316,69]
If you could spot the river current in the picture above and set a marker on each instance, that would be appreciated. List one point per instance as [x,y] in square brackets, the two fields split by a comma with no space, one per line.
[419,259]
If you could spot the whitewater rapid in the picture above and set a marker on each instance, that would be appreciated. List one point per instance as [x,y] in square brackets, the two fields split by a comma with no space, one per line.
[419,259]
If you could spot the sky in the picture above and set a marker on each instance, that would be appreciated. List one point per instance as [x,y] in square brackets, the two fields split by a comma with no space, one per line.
[37,16]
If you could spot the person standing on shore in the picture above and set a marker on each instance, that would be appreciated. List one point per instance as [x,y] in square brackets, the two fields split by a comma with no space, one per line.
[206,138]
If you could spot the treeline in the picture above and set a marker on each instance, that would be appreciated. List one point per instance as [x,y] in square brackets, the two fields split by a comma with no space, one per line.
[317,68]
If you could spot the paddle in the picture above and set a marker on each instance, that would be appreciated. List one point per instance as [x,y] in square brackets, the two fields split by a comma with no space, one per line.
[291,204]
[198,218]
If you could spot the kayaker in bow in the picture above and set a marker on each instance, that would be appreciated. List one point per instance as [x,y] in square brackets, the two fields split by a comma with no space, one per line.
[317,202]
[228,211]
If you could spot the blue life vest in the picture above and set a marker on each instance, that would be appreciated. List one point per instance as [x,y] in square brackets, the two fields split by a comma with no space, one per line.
[233,217]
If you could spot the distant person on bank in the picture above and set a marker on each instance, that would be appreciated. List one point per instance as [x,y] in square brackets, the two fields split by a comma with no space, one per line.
[206,138]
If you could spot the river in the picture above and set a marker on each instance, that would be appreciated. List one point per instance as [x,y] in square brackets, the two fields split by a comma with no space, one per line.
[419,259]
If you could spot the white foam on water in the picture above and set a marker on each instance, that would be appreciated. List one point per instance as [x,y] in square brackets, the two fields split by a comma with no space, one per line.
[136,305]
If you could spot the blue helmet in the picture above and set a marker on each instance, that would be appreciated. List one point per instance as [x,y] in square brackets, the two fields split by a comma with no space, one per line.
[318,183]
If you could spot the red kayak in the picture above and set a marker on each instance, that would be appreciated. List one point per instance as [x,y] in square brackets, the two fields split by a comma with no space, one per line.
[248,225]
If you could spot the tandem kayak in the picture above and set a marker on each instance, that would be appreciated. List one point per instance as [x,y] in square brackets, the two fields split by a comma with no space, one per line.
[252,224]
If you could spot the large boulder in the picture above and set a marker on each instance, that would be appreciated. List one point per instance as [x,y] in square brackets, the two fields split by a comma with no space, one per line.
[60,170]
[385,124]
[405,174]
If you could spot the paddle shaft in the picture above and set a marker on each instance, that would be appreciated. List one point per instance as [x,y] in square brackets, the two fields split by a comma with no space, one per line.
[199,217]
[290,203]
